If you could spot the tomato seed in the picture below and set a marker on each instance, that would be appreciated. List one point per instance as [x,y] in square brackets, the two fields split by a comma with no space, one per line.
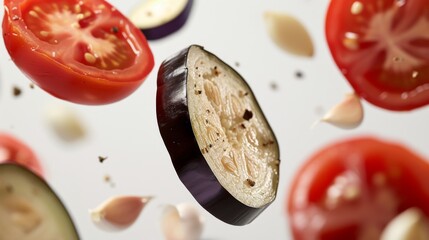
[44,33]
[33,14]
[356,8]
[77,8]
[90,58]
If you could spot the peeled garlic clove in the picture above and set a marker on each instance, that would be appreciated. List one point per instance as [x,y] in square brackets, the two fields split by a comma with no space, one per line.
[118,213]
[347,114]
[183,222]
[409,225]
[65,123]
[289,34]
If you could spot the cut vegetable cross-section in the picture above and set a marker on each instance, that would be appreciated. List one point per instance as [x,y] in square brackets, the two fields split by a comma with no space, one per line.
[160,18]
[221,145]
[81,51]
[29,209]
[382,48]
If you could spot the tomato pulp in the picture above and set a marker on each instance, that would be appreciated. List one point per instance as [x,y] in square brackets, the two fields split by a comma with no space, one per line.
[382,48]
[14,150]
[83,51]
[352,189]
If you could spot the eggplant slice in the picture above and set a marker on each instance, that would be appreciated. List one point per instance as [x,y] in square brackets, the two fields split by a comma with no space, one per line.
[160,18]
[220,143]
[29,209]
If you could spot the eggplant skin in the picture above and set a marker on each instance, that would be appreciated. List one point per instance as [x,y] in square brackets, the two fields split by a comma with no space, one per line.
[176,131]
[169,27]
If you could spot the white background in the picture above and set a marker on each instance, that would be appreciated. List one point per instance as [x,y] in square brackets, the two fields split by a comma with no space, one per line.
[127,132]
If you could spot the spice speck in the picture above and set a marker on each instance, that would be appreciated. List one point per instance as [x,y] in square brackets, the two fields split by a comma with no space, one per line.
[247,115]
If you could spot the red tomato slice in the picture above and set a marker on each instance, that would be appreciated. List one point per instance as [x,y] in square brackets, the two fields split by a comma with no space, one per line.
[84,51]
[352,189]
[13,150]
[382,48]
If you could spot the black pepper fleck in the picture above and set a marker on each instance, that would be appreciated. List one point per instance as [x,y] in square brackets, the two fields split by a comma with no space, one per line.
[268,143]
[101,159]
[115,29]
[274,86]
[250,182]
[247,115]
[16,91]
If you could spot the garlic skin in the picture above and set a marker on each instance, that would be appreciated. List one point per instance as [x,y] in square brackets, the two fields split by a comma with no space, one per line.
[348,114]
[183,222]
[118,213]
[65,123]
[289,34]
[409,225]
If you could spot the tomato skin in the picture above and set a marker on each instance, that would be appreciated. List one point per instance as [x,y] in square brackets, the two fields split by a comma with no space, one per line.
[14,150]
[405,175]
[82,84]
[376,84]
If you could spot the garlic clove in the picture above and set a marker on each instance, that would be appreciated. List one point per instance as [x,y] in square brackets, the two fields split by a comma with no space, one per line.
[289,34]
[118,213]
[183,222]
[65,123]
[347,114]
[409,225]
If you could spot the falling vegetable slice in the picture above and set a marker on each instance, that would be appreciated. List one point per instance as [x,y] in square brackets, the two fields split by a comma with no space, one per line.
[84,52]
[382,47]
[15,150]
[220,143]
[159,18]
[29,209]
[354,188]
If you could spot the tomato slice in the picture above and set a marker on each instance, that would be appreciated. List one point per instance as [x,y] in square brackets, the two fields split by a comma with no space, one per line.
[353,188]
[83,51]
[382,48]
[14,150]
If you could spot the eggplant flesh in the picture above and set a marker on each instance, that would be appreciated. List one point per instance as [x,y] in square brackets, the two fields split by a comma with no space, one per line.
[29,209]
[220,143]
